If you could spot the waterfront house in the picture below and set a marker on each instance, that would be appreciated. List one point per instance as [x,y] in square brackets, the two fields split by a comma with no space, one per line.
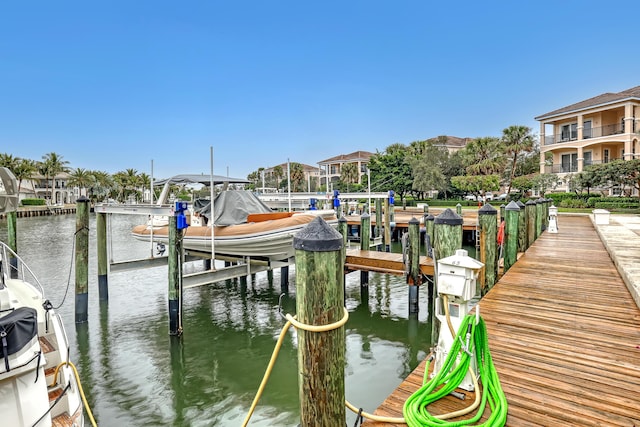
[312,175]
[597,130]
[333,166]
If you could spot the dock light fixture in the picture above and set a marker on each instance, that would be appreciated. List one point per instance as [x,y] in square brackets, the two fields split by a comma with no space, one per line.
[553,219]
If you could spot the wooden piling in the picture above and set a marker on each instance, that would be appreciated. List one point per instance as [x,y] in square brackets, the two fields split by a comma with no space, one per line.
[459,209]
[448,238]
[488,221]
[415,275]
[512,216]
[320,301]
[378,227]
[175,255]
[522,227]
[82,260]
[365,232]
[530,210]
[387,225]
[101,237]
[429,231]
[12,240]
[539,216]
[284,279]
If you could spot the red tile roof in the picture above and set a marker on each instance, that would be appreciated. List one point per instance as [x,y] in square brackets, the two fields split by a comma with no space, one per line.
[605,98]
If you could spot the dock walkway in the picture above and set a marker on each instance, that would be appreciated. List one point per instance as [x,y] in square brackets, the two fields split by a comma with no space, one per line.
[564,333]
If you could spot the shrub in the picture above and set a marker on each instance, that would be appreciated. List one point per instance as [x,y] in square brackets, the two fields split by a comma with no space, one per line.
[33,202]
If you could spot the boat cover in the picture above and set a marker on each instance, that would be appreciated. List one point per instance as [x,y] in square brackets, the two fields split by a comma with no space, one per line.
[232,207]
[16,331]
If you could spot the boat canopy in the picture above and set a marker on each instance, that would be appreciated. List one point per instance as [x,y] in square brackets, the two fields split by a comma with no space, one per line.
[200,179]
[17,329]
[8,191]
[232,207]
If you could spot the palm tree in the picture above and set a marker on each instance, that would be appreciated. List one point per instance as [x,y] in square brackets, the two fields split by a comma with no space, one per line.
[296,174]
[483,156]
[102,184]
[82,179]
[52,165]
[25,169]
[349,174]
[516,140]
[9,162]
[278,173]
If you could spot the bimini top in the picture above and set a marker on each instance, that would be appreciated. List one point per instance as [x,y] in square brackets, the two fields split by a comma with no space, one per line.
[200,179]
[8,191]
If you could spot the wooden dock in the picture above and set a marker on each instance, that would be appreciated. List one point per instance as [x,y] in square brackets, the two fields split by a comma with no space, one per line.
[564,334]
[382,262]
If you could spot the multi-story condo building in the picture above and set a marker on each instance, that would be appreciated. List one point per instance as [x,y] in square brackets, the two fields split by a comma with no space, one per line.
[597,130]
[333,165]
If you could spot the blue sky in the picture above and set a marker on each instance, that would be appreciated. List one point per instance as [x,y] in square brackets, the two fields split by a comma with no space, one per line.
[111,85]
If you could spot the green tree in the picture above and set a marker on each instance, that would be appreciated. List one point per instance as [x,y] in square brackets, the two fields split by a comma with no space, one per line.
[296,173]
[483,156]
[517,140]
[390,170]
[9,162]
[349,174]
[476,184]
[51,166]
[428,163]
[81,178]
[25,169]
[103,184]
[278,174]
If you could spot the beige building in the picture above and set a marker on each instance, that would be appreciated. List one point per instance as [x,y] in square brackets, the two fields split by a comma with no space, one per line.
[332,167]
[312,175]
[597,130]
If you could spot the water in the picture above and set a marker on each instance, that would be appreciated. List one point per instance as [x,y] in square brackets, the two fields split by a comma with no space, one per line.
[135,374]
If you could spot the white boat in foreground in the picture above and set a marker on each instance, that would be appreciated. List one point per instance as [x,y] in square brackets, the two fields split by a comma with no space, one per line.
[37,383]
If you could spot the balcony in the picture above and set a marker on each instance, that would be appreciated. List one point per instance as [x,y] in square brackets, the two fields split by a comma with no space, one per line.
[573,166]
[572,135]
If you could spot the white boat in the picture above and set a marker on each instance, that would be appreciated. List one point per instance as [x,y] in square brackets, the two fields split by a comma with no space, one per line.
[244,227]
[38,385]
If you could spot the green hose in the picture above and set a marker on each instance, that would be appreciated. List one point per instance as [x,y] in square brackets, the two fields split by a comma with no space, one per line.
[450,376]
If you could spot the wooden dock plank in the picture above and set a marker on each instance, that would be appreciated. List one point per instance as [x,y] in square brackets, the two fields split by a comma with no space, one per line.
[382,262]
[564,334]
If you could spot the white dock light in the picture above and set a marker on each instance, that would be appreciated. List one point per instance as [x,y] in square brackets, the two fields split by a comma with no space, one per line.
[553,219]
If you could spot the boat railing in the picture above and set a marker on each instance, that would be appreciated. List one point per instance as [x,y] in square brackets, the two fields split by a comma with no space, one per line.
[13,267]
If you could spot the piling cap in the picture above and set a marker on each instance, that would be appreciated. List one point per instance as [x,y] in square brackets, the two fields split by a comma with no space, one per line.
[530,202]
[512,206]
[487,210]
[414,220]
[82,199]
[448,217]
[520,204]
[430,217]
[318,236]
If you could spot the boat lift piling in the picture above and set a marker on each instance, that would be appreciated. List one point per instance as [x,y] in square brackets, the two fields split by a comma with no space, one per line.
[414,278]
[512,214]
[365,233]
[103,263]
[82,260]
[488,224]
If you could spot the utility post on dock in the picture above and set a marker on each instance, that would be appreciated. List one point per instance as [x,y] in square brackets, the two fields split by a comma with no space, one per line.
[512,214]
[319,302]
[488,221]
[101,237]
[82,259]
[365,232]
[177,223]
[414,278]
[378,228]
[448,238]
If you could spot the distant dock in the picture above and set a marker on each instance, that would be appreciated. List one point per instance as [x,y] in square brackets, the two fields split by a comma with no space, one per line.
[32,211]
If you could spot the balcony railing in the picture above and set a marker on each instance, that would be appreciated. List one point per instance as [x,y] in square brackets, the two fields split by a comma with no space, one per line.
[598,132]
[572,168]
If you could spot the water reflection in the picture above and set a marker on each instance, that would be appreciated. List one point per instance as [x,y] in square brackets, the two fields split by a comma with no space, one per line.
[135,374]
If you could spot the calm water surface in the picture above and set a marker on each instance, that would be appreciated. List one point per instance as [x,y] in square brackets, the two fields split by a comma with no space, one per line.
[135,374]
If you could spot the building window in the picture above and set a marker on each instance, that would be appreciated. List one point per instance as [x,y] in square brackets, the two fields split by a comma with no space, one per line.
[586,130]
[569,163]
[333,169]
[588,158]
[569,132]
[605,157]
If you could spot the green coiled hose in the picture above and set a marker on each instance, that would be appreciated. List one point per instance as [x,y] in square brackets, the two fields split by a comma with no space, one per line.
[450,376]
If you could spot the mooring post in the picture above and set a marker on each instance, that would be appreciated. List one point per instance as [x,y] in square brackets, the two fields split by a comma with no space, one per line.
[512,213]
[103,262]
[530,210]
[539,217]
[378,227]
[12,240]
[365,232]
[320,301]
[387,225]
[522,227]
[82,259]
[547,203]
[448,238]
[414,279]
[343,230]
[429,230]
[175,279]
[488,221]
[502,212]
[284,279]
